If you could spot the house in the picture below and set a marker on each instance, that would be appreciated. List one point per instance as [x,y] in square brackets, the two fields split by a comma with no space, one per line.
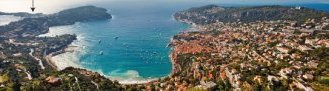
[272,78]
[309,41]
[17,54]
[308,76]
[304,48]
[283,72]
[302,86]
[283,49]
[312,64]
[53,80]
[207,85]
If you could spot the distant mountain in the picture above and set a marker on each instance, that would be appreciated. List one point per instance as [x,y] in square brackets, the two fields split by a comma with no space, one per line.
[22,14]
[213,13]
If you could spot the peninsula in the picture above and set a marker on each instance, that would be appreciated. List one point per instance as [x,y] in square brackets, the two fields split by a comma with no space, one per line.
[24,64]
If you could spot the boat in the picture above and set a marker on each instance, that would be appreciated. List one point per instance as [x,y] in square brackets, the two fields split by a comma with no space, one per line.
[169,45]
[154,52]
[116,38]
[101,53]
[99,41]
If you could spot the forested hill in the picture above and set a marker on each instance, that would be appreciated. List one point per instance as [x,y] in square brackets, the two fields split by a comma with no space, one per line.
[33,25]
[212,13]
[79,14]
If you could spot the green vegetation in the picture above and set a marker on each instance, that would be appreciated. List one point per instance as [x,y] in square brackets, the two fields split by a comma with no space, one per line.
[247,14]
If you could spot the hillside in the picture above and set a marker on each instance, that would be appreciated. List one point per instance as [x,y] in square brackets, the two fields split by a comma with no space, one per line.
[24,62]
[79,14]
[212,13]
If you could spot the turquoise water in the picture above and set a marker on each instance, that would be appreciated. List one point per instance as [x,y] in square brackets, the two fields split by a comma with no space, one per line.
[139,53]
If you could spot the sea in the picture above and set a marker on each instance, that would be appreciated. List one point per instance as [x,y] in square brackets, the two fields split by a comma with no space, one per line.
[132,46]
[6,19]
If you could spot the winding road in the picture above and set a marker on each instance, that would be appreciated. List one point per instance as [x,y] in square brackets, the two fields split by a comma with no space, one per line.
[36,58]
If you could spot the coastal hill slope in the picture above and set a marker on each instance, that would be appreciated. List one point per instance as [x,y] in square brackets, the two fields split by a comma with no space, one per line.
[267,55]
[263,48]
[80,14]
[24,57]
[212,13]
[22,14]
[32,26]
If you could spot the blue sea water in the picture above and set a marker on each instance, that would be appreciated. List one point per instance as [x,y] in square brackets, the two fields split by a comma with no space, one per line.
[139,52]
[322,7]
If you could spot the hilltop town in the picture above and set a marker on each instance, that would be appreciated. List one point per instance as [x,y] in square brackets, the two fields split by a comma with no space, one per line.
[249,56]
[261,54]
[271,54]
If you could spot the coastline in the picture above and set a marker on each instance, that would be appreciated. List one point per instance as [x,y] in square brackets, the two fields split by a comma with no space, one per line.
[51,58]
[59,64]
[55,63]
[50,61]
[215,56]
[70,48]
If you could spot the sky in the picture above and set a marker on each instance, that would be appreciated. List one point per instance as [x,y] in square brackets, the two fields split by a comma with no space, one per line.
[56,5]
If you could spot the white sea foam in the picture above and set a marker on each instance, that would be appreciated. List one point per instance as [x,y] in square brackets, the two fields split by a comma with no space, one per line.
[68,59]
[72,59]
[126,77]
[60,30]
[65,60]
